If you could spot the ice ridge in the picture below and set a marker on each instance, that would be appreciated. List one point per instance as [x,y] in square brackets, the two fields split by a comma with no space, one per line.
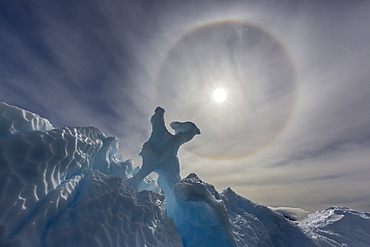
[15,120]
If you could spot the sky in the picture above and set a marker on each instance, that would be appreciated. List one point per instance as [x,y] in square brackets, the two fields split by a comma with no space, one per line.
[294,130]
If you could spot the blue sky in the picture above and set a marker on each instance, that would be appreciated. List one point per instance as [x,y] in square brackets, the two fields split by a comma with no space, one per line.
[295,128]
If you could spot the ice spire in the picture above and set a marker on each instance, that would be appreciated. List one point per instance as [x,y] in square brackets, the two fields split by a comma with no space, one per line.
[159,153]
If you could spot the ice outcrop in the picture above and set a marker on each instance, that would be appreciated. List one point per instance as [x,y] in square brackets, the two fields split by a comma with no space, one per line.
[200,215]
[204,217]
[66,187]
[15,120]
[198,209]
[159,153]
[338,226]
[107,212]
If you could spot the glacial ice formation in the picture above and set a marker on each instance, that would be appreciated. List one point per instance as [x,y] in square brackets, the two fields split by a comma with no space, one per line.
[70,187]
[159,153]
[14,120]
[205,217]
[197,208]
[201,219]
[66,187]
[107,212]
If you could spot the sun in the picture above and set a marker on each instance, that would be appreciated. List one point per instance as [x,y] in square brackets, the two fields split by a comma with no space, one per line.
[219,95]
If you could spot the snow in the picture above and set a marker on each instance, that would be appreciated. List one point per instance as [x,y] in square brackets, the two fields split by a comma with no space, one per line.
[257,225]
[70,187]
[294,214]
[338,226]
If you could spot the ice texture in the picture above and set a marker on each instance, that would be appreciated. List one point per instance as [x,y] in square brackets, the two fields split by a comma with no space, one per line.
[338,226]
[66,187]
[15,120]
[70,187]
[257,225]
[107,212]
[200,214]
[205,217]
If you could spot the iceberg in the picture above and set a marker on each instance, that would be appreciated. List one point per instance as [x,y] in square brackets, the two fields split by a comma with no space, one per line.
[70,187]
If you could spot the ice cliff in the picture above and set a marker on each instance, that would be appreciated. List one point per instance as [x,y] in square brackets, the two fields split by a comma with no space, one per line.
[70,187]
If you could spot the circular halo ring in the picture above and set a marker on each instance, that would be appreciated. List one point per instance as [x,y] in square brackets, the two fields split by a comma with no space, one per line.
[289,65]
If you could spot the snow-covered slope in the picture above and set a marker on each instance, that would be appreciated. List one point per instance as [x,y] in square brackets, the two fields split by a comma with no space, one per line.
[70,187]
[338,226]
[256,225]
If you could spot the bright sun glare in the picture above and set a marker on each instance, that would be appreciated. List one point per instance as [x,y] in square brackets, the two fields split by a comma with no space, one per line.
[219,95]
